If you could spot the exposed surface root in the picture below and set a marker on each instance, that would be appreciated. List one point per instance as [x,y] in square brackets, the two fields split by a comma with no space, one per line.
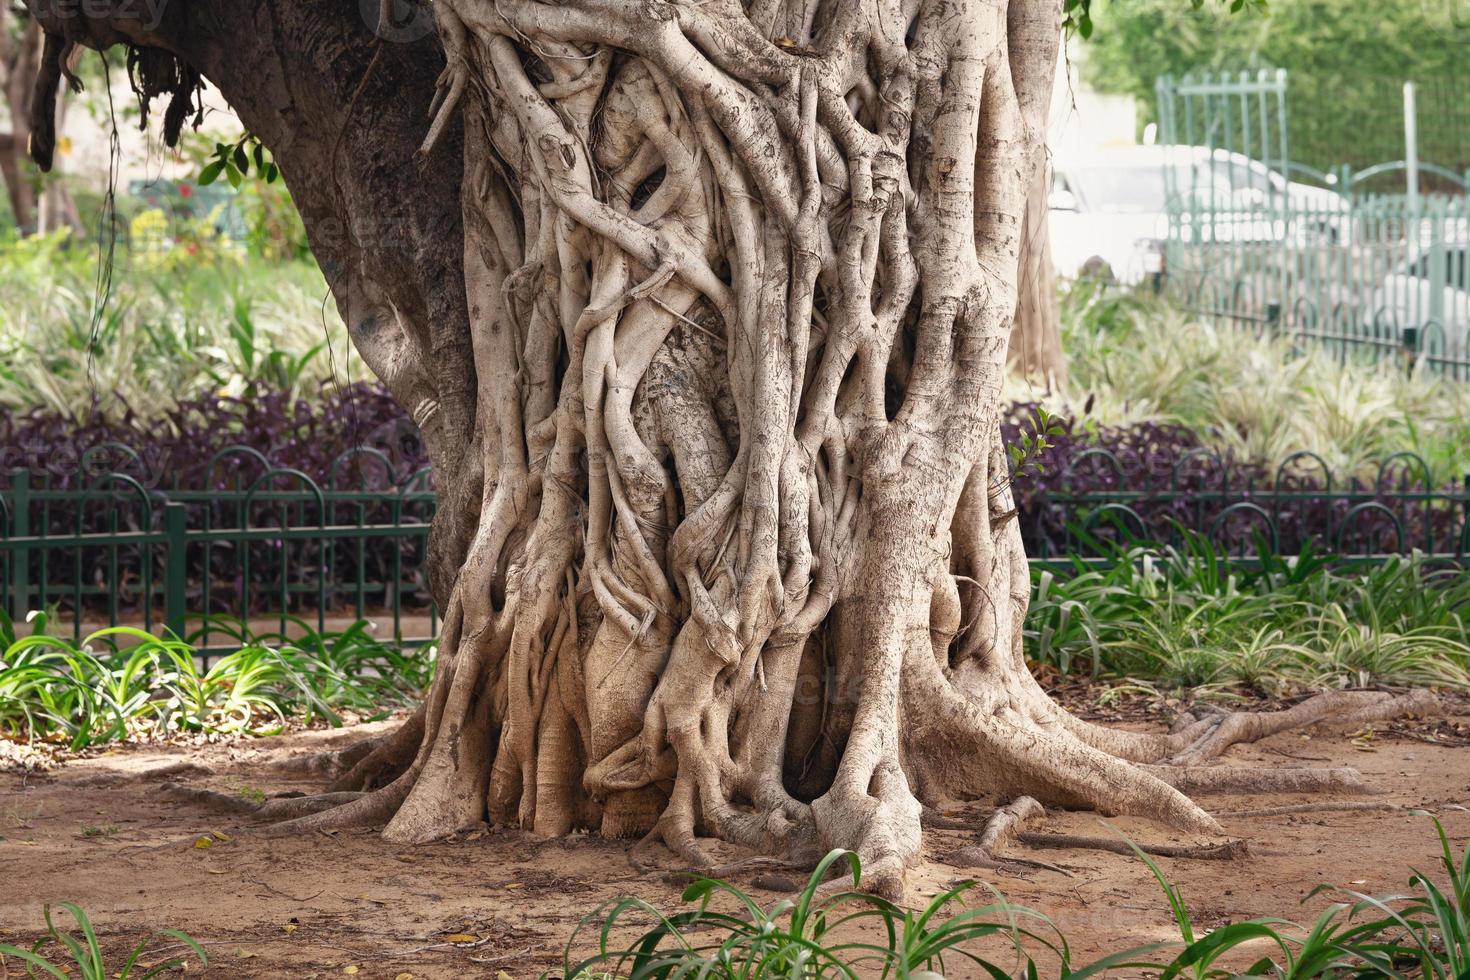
[1240,780]
[1210,736]
[376,762]
[332,762]
[1228,851]
[1334,806]
[274,809]
[1001,830]
[222,802]
[289,808]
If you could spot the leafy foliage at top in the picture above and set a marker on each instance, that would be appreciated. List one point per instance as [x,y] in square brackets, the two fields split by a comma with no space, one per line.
[1346,66]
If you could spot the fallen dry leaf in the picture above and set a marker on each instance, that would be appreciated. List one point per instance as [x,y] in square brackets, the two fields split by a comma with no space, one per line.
[462,937]
[288,928]
[350,969]
[203,842]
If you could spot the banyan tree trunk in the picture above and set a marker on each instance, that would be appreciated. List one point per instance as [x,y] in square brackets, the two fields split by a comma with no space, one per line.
[726,542]
[745,563]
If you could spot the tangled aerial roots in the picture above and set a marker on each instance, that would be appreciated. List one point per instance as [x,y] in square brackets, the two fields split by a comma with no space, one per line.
[743,560]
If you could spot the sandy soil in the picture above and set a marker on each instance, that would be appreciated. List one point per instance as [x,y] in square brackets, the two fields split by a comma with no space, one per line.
[97,831]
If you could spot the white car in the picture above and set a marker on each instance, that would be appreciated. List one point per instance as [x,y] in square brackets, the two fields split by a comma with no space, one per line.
[1109,212]
[1429,294]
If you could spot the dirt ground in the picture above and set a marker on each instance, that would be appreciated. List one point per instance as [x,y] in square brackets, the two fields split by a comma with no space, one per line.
[97,831]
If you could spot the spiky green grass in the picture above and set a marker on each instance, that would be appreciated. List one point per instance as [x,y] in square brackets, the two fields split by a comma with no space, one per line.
[218,323]
[82,954]
[1190,616]
[849,934]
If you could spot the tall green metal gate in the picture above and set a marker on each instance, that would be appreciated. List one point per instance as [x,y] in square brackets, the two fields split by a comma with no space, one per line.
[1260,242]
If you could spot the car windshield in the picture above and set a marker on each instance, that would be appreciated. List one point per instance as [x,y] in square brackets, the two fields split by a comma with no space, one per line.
[1137,188]
[1140,187]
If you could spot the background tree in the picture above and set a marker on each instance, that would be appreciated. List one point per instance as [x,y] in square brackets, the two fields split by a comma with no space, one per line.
[703,310]
[20,55]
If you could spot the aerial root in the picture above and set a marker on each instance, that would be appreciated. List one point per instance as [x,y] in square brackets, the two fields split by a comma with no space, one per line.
[1211,733]
[1241,780]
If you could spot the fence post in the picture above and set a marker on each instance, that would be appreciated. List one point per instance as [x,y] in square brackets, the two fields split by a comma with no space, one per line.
[1411,150]
[20,556]
[175,567]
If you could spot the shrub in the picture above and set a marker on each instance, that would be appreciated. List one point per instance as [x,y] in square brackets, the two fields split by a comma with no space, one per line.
[1190,616]
[121,683]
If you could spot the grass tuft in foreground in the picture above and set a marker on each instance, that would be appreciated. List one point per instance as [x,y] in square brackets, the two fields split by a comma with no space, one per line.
[84,956]
[822,932]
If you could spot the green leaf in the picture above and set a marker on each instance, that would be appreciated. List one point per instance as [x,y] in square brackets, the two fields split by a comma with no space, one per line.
[211,173]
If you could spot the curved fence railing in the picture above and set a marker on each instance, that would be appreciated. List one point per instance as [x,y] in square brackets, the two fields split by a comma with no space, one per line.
[269,546]
[1101,500]
[281,549]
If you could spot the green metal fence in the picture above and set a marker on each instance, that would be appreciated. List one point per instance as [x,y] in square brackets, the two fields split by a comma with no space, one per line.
[280,552]
[1103,501]
[1259,242]
[285,553]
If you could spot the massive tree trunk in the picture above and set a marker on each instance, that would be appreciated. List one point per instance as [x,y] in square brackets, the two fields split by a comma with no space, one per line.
[704,311]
